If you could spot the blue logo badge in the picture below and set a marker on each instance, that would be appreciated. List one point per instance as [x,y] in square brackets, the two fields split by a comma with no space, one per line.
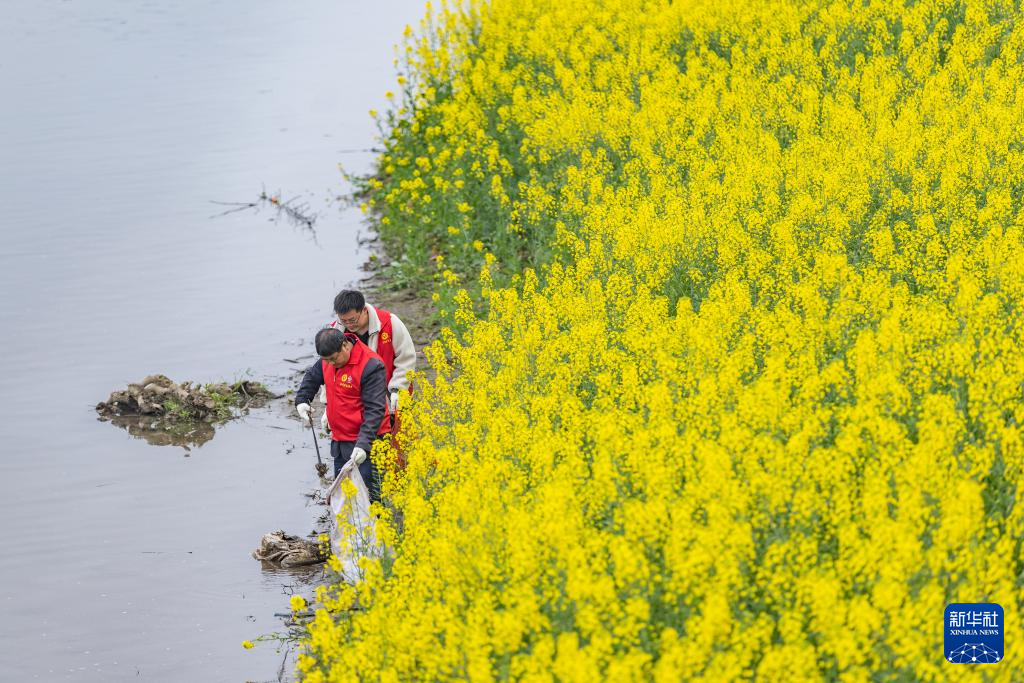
[974,633]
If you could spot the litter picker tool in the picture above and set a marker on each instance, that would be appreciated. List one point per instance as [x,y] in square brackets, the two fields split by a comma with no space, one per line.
[321,468]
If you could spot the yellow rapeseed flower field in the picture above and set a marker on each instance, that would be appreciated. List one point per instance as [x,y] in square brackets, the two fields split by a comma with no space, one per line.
[733,382]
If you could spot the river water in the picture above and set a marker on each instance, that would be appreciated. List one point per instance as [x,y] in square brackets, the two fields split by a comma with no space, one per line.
[121,122]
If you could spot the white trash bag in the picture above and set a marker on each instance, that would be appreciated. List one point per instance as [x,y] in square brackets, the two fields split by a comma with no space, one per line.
[355,510]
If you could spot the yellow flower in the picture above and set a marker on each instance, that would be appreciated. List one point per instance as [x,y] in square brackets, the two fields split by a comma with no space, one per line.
[248,644]
[745,390]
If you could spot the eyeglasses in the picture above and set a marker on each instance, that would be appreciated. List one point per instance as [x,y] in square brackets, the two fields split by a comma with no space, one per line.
[350,320]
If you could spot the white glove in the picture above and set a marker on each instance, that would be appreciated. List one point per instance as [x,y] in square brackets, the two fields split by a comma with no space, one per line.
[393,402]
[323,422]
[358,455]
[304,410]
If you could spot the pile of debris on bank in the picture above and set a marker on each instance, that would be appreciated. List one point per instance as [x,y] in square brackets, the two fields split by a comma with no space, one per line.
[158,395]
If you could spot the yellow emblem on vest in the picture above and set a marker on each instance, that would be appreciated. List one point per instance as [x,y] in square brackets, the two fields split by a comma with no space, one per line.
[344,377]
[385,337]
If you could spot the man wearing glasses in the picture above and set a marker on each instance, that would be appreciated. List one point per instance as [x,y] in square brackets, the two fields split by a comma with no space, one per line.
[384,333]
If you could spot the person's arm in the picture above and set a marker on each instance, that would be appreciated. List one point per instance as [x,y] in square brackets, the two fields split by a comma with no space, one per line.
[374,394]
[311,383]
[405,355]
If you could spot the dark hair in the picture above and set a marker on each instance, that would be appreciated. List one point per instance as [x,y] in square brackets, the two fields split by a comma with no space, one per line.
[349,300]
[329,341]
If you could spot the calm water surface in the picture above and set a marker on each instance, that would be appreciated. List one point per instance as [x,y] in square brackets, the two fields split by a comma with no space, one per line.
[120,123]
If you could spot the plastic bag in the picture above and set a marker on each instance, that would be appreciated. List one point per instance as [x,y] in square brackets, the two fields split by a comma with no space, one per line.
[352,525]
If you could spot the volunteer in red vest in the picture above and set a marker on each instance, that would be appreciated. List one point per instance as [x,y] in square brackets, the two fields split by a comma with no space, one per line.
[384,333]
[357,401]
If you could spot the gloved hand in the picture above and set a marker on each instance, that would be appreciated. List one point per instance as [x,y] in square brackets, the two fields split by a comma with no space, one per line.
[393,402]
[358,455]
[304,411]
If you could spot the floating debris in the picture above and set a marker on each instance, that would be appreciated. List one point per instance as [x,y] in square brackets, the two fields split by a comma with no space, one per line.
[297,213]
[286,550]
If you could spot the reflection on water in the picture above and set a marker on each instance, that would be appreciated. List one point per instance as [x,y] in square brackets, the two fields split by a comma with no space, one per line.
[160,431]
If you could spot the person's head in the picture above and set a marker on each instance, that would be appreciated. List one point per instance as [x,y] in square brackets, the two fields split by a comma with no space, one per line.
[334,346]
[350,307]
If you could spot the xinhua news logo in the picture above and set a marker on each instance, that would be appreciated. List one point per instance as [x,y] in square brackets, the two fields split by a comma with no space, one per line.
[974,633]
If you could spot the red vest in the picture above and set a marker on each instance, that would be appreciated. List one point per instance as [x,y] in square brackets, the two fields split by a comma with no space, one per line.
[386,343]
[344,395]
